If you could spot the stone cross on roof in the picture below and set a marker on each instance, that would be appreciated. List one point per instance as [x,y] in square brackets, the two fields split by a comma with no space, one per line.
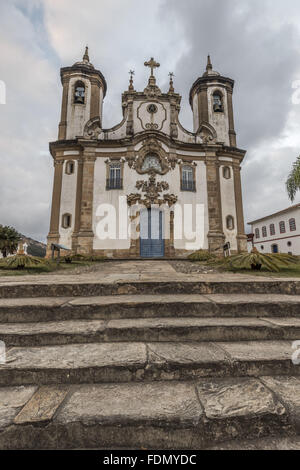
[152,64]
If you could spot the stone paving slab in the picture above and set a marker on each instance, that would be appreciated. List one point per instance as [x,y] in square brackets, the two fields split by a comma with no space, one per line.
[288,389]
[225,398]
[107,307]
[159,415]
[271,443]
[12,400]
[121,362]
[147,329]
[43,405]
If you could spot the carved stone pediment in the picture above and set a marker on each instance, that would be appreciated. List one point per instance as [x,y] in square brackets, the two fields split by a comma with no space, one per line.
[92,129]
[207,133]
[151,149]
[152,190]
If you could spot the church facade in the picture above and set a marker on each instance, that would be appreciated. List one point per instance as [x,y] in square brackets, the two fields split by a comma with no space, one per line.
[146,188]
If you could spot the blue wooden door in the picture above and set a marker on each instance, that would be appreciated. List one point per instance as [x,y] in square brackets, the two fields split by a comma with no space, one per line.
[151,233]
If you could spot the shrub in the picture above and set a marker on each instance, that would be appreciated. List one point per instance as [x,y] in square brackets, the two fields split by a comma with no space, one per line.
[256,261]
[24,262]
[202,255]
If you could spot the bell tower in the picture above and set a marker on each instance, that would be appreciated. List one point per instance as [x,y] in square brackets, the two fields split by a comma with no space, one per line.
[211,102]
[84,89]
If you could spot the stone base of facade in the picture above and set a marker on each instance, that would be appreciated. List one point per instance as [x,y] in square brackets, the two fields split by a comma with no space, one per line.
[129,254]
[242,243]
[216,242]
[82,243]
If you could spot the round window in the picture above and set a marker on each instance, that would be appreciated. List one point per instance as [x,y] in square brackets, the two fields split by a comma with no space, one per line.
[152,108]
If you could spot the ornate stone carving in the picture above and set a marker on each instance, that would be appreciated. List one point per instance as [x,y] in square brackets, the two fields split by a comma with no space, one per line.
[92,129]
[152,190]
[207,133]
[152,147]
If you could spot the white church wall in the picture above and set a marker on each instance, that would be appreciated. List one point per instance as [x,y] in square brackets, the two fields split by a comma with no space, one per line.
[67,206]
[78,114]
[130,177]
[142,118]
[228,207]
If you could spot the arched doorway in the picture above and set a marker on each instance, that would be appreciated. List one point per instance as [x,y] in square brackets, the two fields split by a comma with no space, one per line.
[275,248]
[151,233]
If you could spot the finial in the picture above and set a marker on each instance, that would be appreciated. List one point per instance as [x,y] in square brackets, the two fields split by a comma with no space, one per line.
[131,73]
[152,64]
[171,88]
[86,55]
[209,64]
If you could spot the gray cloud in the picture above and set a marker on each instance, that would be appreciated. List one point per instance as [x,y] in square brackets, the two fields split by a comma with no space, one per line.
[255,42]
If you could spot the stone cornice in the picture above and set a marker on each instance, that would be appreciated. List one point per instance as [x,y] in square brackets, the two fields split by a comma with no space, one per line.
[84,70]
[204,81]
[80,143]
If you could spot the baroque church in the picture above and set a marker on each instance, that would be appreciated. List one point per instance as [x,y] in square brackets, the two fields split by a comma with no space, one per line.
[147,187]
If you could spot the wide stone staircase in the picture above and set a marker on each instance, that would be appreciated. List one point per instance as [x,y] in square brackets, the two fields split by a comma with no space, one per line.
[150,365]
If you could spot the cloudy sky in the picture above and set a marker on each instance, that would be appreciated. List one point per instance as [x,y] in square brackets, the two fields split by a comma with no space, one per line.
[255,42]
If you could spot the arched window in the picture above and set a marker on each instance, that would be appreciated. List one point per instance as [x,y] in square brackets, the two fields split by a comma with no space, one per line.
[272,229]
[264,231]
[70,167]
[282,227]
[151,162]
[114,180]
[79,93]
[230,222]
[218,102]
[292,223]
[187,178]
[66,221]
[257,233]
[226,172]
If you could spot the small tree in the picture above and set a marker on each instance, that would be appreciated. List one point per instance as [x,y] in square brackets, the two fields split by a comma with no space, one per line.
[9,239]
[293,181]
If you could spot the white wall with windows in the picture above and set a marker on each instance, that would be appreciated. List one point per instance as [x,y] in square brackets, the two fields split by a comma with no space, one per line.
[278,233]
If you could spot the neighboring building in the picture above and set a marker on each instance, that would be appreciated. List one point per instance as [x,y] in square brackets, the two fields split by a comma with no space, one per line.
[148,165]
[279,232]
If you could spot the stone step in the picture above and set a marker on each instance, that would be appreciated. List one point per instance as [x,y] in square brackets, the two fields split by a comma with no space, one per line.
[157,415]
[149,329]
[21,310]
[138,362]
[13,289]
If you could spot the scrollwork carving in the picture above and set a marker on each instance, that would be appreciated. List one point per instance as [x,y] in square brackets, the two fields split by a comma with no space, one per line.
[152,190]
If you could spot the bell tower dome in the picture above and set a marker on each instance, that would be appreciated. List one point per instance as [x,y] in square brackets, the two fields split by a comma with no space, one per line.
[211,102]
[84,89]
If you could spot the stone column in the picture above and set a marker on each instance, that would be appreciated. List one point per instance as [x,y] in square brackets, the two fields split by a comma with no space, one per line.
[216,237]
[241,237]
[232,134]
[203,105]
[169,241]
[53,236]
[62,130]
[78,204]
[85,235]
[135,243]
[95,99]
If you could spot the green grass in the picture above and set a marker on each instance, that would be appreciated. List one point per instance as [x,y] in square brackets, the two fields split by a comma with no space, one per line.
[51,267]
[290,271]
